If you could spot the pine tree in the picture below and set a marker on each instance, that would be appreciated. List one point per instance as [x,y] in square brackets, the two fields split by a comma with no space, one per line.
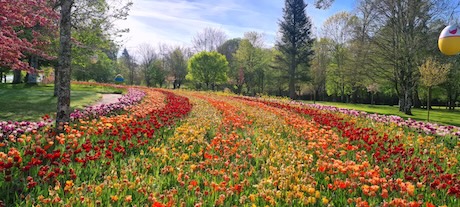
[296,42]
[129,64]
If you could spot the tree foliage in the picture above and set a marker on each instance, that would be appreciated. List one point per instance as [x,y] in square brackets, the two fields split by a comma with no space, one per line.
[251,62]
[209,68]
[320,63]
[24,25]
[432,74]
[342,76]
[398,42]
[177,64]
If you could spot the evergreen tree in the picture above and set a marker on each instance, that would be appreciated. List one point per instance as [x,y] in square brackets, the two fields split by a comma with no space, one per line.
[296,42]
[128,60]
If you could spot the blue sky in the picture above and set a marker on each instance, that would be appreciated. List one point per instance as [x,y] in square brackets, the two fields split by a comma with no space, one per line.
[175,22]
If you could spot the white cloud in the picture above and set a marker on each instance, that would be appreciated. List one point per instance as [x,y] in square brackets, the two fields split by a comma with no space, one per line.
[175,22]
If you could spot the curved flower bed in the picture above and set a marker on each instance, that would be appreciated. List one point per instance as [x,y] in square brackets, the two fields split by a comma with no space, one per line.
[420,126]
[11,129]
[88,148]
[229,151]
[132,97]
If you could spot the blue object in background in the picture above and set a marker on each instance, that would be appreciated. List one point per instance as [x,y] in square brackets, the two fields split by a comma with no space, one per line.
[119,79]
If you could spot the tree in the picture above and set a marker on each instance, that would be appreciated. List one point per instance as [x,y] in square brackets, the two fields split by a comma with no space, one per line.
[3,72]
[99,68]
[452,85]
[319,66]
[360,48]
[65,50]
[93,48]
[296,41]
[251,61]
[323,4]
[128,60]
[148,56]
[157,73]
[19,34]
[177,64]
[208,40]
[229,48]
[372,88]
[208,68]
[338,29]
[235,74]
[403,27]
[432,74]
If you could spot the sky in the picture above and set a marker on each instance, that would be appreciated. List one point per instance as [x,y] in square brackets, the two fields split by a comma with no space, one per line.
[176,22]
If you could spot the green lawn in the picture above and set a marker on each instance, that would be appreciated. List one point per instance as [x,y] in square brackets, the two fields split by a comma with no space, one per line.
[24,103]
[438,115]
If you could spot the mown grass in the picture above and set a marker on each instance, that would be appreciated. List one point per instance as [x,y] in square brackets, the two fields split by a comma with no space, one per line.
[21,102]
[437,115]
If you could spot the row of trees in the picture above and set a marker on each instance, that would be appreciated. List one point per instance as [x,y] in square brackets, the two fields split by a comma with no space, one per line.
[244,65]
[380,47]
[376,50]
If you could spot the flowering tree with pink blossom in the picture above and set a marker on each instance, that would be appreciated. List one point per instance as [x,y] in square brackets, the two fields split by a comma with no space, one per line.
[22,23]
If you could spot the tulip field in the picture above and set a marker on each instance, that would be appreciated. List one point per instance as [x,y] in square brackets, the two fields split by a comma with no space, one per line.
[160,147]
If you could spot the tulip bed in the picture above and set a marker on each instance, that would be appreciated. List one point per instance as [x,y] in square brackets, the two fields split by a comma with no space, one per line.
[183,148]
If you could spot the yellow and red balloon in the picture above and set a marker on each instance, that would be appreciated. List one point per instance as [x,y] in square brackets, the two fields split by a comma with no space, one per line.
[449,40]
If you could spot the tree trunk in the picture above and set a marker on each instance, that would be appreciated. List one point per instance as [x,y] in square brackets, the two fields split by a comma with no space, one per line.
[56,80]
[314,96]
[407,108]
[342,93]
[131,72]
[428,104]
[147,81]
[372,98]
[1,77]
[354,95]
[63,102]
[32,76]
[292,93]
[401,103]
[239,89]
[17,77]
[417,102]
[451,103]
[451,98]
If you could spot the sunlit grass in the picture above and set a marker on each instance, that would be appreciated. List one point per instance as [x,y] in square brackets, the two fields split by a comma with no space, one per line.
[28,103]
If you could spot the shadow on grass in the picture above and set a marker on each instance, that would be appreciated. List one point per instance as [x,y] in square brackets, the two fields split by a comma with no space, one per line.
[29,103]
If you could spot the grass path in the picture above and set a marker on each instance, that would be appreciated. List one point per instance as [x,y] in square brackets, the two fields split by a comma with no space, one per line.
[437,115]
[24,103]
